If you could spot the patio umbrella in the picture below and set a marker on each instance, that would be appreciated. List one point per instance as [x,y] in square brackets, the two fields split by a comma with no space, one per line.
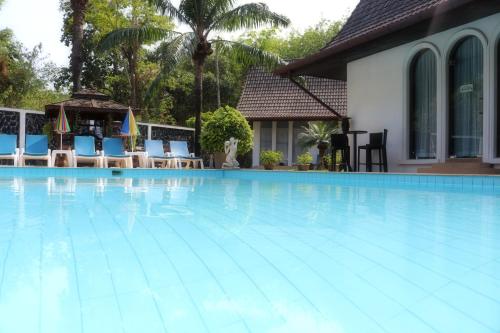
[130,129]
[62,125]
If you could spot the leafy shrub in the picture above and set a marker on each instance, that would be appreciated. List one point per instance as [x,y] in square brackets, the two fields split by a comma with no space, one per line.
[305,158]
[226,122]
[269,157]
[205,116]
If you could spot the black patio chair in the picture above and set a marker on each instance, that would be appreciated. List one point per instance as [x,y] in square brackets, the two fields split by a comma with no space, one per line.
[378,143]
[340,142]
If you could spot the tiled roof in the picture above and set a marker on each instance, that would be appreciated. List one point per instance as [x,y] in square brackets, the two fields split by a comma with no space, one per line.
[371,15]
[268,96]
[88,101]
[374,19]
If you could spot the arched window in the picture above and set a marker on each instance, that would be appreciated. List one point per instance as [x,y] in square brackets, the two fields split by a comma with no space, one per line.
[423,106]
[466,98]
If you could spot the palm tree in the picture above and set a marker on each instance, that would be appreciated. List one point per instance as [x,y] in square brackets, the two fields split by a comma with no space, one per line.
[204,17]
[130,41]
[317,134]
[78,7]
[146,27]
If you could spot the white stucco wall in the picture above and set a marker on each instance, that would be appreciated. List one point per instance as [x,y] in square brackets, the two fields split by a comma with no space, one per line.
[377,91]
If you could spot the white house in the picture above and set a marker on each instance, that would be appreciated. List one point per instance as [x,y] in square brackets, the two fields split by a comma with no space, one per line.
[426,70]
[278,109]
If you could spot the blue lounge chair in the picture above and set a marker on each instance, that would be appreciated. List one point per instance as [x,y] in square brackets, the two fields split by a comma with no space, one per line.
[8,148]
[85,151]
[113,151]
[155,153]
[37,148]
[179,150]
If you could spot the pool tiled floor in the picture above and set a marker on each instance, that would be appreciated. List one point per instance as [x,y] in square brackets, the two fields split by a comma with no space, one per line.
[236,255]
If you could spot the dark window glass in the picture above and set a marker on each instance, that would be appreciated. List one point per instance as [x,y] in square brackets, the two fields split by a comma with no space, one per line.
[423,108]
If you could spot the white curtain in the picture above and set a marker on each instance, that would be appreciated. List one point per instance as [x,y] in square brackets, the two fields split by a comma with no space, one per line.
[466,110]
[423,109]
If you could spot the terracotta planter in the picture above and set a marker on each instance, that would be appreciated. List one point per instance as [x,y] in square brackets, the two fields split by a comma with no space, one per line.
[303,167]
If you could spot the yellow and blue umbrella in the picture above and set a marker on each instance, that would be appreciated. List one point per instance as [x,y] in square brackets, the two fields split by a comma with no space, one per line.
[62,124]
[130,128]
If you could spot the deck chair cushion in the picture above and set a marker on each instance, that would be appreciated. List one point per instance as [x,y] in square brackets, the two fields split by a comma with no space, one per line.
[8,144]
[85,146]
[113,147]
[36,145]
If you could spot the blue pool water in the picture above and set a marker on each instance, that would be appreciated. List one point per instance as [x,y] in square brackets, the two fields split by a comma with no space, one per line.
[248,252]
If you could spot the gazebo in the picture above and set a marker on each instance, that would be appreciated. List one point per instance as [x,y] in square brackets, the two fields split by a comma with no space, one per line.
[90,112]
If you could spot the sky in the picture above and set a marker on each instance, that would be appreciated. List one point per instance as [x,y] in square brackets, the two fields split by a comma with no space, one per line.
[40,21]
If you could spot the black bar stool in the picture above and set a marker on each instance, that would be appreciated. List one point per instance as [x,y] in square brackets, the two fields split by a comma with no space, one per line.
[340,142]
[378,143]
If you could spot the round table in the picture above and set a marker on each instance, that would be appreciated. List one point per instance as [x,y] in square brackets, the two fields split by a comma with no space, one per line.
[355,145]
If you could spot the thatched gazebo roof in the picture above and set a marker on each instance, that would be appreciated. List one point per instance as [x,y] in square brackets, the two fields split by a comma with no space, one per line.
[89,102]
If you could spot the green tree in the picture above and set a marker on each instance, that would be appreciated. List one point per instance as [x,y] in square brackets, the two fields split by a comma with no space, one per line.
[205,18]
[110,71]
[24,75]
[140,16]
[296,44]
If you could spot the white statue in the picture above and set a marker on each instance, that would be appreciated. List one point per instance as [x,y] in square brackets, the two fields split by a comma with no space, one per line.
[231,149]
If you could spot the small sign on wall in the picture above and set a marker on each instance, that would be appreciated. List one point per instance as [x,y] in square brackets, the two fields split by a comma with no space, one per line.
[466,88]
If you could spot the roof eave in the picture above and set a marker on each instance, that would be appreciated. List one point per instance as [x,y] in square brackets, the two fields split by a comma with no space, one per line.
[300,67]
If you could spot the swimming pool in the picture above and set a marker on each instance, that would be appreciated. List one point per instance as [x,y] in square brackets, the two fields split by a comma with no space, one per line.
[215,251]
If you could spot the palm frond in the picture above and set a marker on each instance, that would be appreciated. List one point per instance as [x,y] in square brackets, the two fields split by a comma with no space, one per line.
[170,54]
[139,35]
[248,16]
[315,133]
[166,7]
[154,87]
[217,8]
[172,51]
[247,54]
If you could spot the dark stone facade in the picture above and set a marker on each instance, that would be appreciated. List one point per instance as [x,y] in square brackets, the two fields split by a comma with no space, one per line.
[35,123]
[173,134]
[143,129]
[9,122]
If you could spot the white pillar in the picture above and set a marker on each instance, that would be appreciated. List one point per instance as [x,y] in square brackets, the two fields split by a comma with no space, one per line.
[150,131]
[22,129]
[290,143]
[256,144]
[273,135]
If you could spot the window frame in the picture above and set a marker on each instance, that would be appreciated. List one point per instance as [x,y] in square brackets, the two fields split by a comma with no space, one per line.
[405,153]
[411,100]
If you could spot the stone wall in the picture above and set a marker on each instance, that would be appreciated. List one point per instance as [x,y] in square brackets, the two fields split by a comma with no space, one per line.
[143,129]
[173,134]
[9,122]
[35,123]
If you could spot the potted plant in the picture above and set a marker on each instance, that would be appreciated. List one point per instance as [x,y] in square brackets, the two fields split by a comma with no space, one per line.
[269,159]
[317,134]
[304,161]
[223,124]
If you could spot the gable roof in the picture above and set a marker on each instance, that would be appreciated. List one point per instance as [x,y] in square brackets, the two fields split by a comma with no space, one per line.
[267,96]
[376,25]
[373,15]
